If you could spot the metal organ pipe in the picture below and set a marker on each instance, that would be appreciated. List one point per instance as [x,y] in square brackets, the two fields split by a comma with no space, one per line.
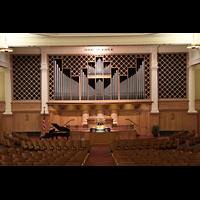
[60,83]
[115,85]
[64,86]
[83,85]
[140,82]
[107,69]
[99,67]
[55,79]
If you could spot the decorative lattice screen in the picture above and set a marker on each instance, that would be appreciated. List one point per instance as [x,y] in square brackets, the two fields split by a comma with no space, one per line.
[121,61]
[26,77]
[172,75]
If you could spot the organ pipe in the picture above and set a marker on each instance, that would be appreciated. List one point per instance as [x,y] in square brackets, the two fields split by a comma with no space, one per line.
[84,84]
[140,82]
[99,66]
[107,68]
[101,87]
[66,84]
[75,88]
[58,82]
[91,89]
[115,84]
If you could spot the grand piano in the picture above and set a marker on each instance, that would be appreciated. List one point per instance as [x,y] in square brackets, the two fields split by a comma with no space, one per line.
[62,131]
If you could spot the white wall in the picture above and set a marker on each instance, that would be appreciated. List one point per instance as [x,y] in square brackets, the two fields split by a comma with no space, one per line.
[2,84]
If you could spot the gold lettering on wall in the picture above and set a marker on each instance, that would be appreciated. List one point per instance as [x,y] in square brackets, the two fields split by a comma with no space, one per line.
[26,117]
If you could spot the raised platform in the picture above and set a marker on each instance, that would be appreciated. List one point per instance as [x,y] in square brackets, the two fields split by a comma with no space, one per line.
[104,138]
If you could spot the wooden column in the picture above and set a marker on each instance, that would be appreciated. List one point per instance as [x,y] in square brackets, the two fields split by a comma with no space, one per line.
[100,113]
[191,90]
[114,115]
[85,115]
[7,115]
[44,81]
[8,90]
[154,81]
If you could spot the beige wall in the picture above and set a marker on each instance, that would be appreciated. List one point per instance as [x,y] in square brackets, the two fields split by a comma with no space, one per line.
[197,82]
[2,84]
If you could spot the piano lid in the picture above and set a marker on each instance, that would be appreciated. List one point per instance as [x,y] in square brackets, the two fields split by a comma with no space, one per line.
[60,128]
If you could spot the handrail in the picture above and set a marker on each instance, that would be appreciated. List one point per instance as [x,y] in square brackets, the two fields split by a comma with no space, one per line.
[131,122]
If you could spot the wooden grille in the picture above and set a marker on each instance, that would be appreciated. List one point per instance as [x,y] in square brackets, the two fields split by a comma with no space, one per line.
[26,77]
[120,61]
[172,75]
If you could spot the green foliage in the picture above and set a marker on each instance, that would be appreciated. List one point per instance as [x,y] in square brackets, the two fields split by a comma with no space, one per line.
[155,130]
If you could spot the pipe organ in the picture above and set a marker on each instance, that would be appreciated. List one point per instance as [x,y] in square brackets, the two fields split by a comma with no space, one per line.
[99,80]
[58,80]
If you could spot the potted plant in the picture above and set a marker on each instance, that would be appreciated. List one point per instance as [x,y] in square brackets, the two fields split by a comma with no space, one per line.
[155,130]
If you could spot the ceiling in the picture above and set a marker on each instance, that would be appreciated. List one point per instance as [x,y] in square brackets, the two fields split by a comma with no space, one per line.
[93,39]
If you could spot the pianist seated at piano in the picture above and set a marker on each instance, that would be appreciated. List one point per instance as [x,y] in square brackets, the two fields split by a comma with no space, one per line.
[62,131]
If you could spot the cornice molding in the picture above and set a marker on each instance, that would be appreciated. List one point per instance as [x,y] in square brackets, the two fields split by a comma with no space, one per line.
[4,64]
[87,49]
[194,62]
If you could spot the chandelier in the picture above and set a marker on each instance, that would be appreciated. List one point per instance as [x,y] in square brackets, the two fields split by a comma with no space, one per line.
[6,48]
[193,45]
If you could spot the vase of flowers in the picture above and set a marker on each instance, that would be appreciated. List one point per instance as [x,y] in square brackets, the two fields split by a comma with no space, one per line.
[100,123]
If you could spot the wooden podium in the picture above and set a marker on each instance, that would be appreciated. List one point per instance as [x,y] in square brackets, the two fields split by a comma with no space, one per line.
[105,138]
[91,124]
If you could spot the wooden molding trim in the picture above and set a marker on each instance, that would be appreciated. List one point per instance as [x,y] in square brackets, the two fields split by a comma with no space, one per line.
[24,106]
[2,106]
[197,105]
[173,105]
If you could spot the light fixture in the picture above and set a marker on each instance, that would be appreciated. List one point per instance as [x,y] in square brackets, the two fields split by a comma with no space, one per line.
[6,49]
[193,45]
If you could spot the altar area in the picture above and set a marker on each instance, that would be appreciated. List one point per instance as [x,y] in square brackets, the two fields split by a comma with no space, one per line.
[102,137]
[91,119]
[106,137]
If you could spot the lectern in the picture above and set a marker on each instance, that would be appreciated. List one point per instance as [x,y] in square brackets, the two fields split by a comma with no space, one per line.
[91,124]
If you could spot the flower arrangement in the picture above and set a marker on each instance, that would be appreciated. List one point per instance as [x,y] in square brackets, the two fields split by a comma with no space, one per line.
[100,121]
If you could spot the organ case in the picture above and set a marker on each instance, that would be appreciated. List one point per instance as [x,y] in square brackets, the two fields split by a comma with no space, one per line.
[99,81]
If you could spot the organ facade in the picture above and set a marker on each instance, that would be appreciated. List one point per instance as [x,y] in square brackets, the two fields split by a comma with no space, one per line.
[145,84]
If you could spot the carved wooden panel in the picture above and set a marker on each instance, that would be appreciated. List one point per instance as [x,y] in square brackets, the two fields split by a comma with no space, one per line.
[26,77]
[172,75]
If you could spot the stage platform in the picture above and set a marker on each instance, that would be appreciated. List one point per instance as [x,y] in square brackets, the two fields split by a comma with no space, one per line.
[104,138]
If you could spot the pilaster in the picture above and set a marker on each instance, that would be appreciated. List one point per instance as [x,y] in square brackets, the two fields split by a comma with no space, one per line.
[85,115]
[114,115]
[100,113]
[154,81]
[44,81]
[8,95]
[191,94]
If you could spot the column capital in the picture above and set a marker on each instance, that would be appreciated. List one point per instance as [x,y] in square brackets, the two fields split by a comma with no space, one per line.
[85,111]
[191,66]
[44,66]
[7,69]
[154,67]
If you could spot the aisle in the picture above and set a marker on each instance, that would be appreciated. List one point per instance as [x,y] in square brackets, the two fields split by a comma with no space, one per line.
[100,156]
